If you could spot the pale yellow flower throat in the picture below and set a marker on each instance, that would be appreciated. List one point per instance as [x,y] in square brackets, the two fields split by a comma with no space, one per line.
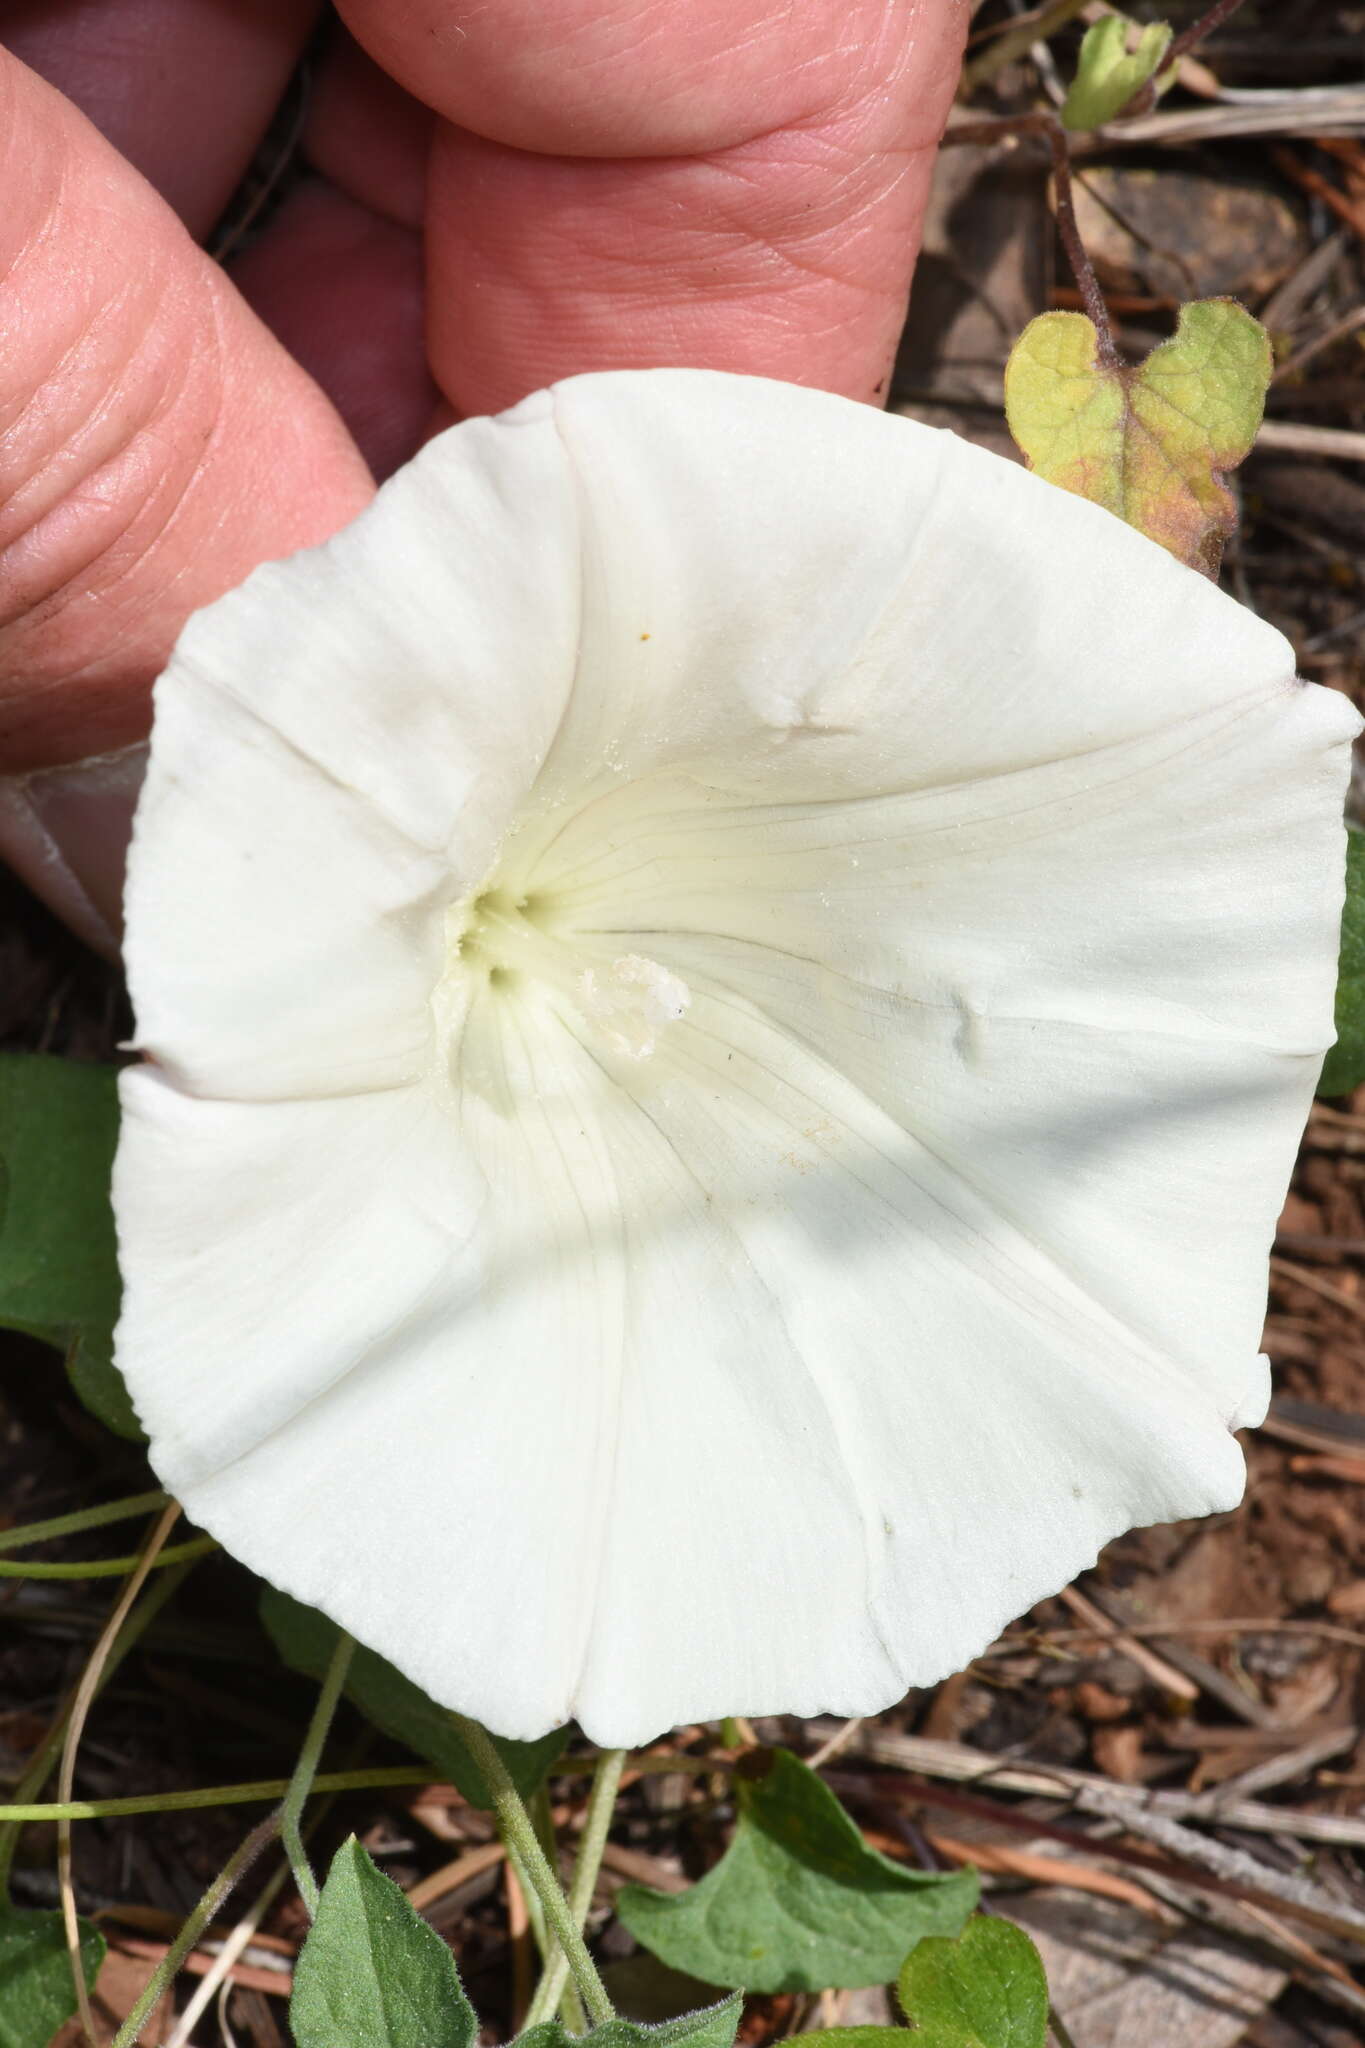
[628,998]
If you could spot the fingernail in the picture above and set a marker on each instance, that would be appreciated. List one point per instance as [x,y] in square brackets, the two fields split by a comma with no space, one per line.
[65,832]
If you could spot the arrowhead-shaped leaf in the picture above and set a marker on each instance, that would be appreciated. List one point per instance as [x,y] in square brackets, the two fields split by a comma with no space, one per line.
[1344,1066]
[306,1639]
[1152,444]
[36,1993]
[372,1974]
[1108,72]
[714,2027]
[987,1989]
[798,1902]
[59,1276]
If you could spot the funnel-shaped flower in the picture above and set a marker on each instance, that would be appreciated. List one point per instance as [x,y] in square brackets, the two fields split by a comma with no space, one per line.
[729,986]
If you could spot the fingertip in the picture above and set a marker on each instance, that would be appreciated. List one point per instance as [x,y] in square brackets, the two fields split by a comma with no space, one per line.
[573,78]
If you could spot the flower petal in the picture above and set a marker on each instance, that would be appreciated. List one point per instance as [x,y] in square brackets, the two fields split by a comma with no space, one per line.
[974,870]
[753,1401]
[330,772]
[1099,988]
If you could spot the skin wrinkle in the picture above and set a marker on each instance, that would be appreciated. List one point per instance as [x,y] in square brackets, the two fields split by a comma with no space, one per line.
[134,454]
[86,338]
[733,228]
[138,437]
[599,83]
[45,227]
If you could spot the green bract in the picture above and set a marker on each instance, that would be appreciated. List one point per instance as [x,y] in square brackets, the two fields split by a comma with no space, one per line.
[1108,72]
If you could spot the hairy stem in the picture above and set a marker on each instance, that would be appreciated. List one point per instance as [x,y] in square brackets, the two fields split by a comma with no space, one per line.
[107,1567]
[228,1878]
[601,1805]
[77,1523]
[305,1773]
[1051,131]
[382,1778]
[518,1831]
[75,1727]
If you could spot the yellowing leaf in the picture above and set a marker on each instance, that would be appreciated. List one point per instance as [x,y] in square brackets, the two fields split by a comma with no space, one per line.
[1108,73]
[1153,443]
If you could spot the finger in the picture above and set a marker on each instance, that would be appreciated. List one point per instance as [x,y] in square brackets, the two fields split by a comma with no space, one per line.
[338,273]
[733,185]
[367,136]
[155,444]
[341,286]
[184,89]
[647,77]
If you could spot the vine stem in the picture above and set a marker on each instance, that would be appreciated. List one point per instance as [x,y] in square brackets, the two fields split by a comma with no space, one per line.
[519,1832]
[228,1878]
[1051,131]
[75,1727]
[306,1770]
[107,1567]
[601,1805]
[76,1524]
[382,1778]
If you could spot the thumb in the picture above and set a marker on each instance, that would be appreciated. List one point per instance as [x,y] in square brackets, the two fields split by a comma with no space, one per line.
[155,444]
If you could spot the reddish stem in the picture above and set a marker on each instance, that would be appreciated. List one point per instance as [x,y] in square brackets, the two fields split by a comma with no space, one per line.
[1051,131]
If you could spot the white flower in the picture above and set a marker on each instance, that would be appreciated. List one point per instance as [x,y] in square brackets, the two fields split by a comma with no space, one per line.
[729,985]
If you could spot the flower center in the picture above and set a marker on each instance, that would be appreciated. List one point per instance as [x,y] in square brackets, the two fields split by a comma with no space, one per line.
[512,943]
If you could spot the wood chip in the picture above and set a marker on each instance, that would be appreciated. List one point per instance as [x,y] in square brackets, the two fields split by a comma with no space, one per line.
[958,1764]
[1162,1674]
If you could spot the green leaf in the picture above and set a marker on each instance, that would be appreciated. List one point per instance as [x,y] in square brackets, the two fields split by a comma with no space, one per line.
[1152,444]
[715,2026]
[984,1990]
[1345,1063]
[306,1639]
[798,1902]
[36,1993]
[59,1275]
[1108,73]
[372,1974]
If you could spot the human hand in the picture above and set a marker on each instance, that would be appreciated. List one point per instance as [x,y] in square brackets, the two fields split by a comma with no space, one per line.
[496,197]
